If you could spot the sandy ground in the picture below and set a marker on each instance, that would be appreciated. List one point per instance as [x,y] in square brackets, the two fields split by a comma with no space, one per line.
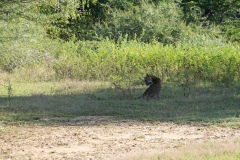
[102,138]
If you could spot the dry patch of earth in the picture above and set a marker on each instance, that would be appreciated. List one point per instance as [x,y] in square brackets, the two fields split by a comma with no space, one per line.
[102,138]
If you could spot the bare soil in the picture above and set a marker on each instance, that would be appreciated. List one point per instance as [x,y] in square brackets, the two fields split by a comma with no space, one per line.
[102,138]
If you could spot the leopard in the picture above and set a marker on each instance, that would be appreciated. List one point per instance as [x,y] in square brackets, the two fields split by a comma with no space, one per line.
[154,89]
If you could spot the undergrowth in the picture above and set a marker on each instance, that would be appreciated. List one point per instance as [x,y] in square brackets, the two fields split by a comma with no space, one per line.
[123,63]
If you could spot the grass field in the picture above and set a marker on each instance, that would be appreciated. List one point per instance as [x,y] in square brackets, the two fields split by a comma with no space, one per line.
[33,101]
[30,103]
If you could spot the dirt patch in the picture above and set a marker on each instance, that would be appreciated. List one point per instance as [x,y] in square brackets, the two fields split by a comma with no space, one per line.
[102,138]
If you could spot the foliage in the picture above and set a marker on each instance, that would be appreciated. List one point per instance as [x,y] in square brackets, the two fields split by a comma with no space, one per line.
[225,13]
[126,62]
[147,20]
[210,10]
[146,23]
[40,41]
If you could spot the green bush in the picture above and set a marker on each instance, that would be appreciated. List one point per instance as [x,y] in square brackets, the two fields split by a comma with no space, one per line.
[146,22]
[129,61]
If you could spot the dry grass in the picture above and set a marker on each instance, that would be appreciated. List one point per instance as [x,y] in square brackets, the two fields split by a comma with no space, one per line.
[207,150]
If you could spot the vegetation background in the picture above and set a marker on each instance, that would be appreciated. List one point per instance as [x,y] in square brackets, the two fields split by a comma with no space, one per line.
[180,41]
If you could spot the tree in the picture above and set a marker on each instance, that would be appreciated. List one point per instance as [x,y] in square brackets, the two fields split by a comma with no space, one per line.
[222,12]
[210,10]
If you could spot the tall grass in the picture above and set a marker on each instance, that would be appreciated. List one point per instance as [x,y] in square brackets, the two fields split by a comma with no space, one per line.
[124,63]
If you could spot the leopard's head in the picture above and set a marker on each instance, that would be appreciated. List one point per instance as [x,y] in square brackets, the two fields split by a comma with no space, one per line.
[148,80]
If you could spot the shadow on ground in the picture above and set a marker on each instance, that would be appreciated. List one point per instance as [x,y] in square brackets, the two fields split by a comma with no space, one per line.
[205,104]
